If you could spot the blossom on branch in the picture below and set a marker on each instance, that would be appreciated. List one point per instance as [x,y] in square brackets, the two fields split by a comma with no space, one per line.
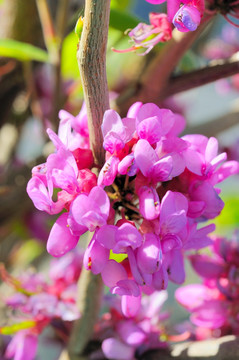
[145,206]
[145,36]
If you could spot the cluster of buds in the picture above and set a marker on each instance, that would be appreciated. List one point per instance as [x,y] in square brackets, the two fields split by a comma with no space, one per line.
[145,205]
[39,303]
[214,303]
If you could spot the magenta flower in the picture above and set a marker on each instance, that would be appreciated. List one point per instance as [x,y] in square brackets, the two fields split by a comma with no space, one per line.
[138,332]
[151,166]
[214,304]
[61,239]
[185,18]
[42,197]
[23,346]
[108,172]
[91,211]
[151,193]
[116,131]
[145,36]
[38,303]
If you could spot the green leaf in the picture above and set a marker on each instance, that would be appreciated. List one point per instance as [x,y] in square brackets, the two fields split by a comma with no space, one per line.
[120,20]
[117,257]
[189,62]
[119,4]
[12,329]
[22,51]
[229,217]
[69,66]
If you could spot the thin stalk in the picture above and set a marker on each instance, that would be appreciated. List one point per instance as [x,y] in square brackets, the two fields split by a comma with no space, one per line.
[215,71]
[61,23]
[48,29]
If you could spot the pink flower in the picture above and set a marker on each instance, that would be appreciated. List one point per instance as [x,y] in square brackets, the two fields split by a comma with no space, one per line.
[145,36]
[185,18]
[91,211]
[23,346]
[214,304]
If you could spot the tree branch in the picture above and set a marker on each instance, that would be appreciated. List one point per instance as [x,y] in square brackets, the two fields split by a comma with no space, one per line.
[216,70]
[92,64]
[215,126]
[91,57]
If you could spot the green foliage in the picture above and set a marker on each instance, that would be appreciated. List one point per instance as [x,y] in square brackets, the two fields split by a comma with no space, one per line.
[79,27]
[22,51]
[117,257]
[120,20]
[28,252]
[69,66]
[12,329]
[189,62]
[119,4]
[229,217]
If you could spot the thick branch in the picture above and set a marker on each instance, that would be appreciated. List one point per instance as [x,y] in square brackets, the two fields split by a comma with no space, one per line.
[89,300]
[92,64]
[91,59]
[215,71]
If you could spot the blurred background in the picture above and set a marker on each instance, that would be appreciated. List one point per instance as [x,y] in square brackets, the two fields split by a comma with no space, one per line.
[39,76]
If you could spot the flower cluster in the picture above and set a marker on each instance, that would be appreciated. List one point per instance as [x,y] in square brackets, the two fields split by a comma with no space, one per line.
[145,36]
[214,303]
[40,303]
[123,338]
[146,203]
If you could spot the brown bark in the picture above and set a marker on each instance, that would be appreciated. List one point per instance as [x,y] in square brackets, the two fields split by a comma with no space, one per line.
[92,64]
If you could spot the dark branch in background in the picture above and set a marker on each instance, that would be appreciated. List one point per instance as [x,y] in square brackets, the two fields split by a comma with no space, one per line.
[14,26]
[215,71]
[226,347]
[215,126]
[53,37]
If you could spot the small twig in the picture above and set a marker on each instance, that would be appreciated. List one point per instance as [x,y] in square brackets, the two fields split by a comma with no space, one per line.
[32,94]
[61,18]
[48,30]
[53,37]
[216,70]
[61,23]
